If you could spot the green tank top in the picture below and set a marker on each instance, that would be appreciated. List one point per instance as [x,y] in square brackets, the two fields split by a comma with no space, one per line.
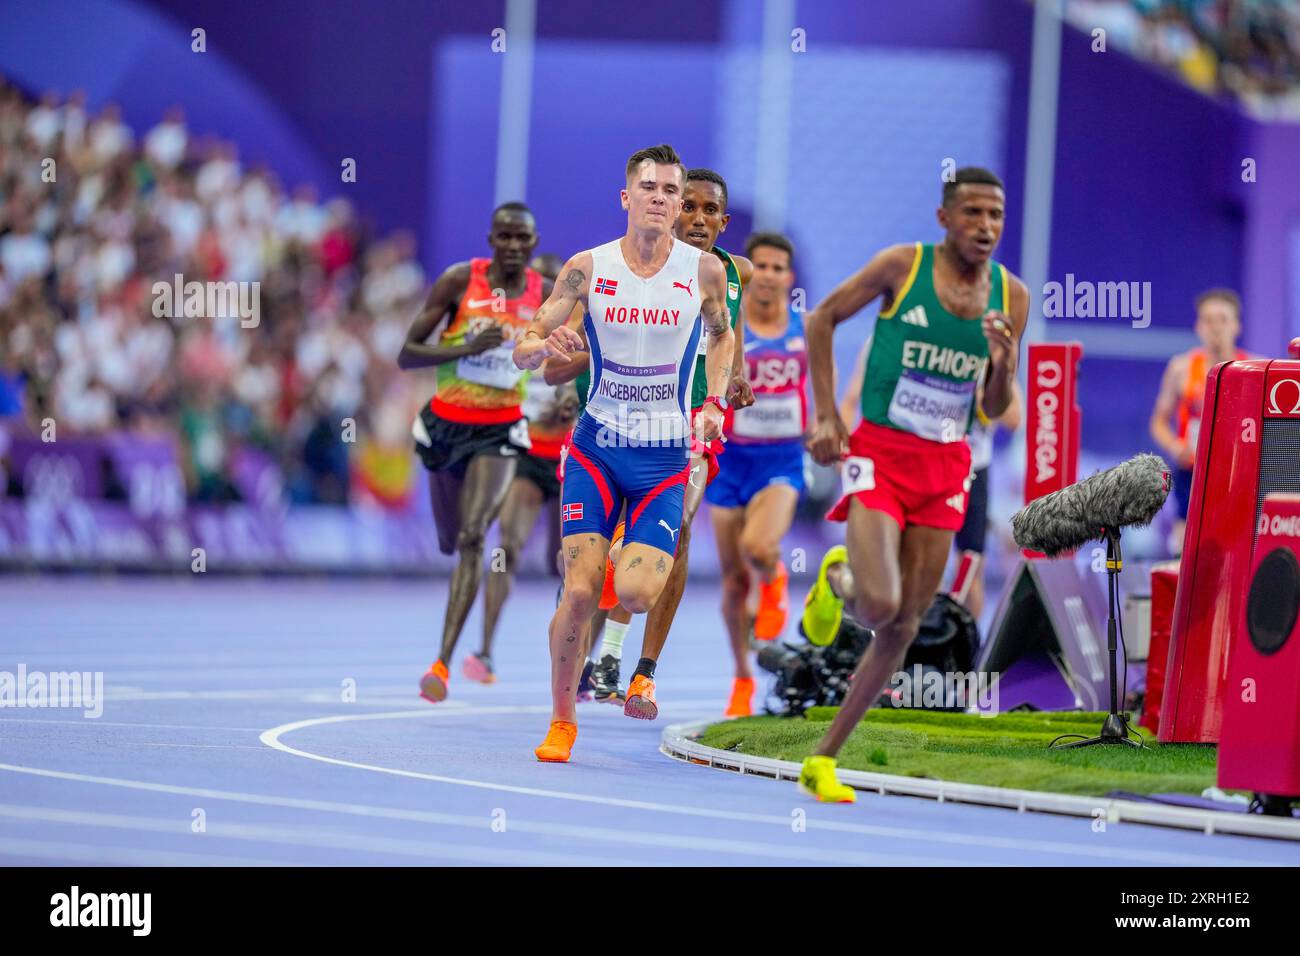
[700,384]
[925,362]
[583,384]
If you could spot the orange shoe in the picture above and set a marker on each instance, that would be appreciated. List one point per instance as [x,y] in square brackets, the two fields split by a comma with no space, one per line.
[641,699]
[609,599]
[558,743]
[433,685]
[773,606]
[742,695]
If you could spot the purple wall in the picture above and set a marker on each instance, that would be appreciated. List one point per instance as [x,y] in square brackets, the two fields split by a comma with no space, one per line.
[1155,194]
[1272,205]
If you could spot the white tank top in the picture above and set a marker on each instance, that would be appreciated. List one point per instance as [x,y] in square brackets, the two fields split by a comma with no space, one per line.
[980,439]
[643,334]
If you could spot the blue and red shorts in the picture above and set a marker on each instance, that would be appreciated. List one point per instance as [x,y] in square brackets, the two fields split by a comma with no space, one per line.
[598,480]
[748,469]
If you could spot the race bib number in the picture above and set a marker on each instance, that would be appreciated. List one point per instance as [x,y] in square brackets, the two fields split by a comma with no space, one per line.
[933,408]
[494,368]
[770,418]
[858,474]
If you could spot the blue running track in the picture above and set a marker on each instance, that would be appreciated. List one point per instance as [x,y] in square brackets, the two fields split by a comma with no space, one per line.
[226,740]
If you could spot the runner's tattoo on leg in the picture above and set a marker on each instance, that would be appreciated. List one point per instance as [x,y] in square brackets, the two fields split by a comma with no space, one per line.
[573,553]
[662,566]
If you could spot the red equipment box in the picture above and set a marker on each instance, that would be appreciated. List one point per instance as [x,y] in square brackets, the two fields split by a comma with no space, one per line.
[1260,745]
[1249,446]
[1164,589]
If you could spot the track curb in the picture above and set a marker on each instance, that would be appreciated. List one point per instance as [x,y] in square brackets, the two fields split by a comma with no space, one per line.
[679,742]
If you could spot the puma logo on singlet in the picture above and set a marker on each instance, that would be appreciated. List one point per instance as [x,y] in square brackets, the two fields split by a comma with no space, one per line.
[672,532]
[687,287]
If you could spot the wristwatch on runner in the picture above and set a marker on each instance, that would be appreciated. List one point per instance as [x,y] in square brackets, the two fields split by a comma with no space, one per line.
[717,400]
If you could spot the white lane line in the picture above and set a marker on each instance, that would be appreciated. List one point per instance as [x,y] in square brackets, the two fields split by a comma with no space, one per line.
[301,837]
[366,677]
[579,836]
[118,855]
[446,709]
[127,744]
[1157,857]
[92,723]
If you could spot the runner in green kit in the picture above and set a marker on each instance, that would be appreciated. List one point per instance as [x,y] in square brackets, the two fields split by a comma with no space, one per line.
[952,317]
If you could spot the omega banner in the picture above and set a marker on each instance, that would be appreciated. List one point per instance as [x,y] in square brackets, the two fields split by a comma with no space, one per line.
[1052,438]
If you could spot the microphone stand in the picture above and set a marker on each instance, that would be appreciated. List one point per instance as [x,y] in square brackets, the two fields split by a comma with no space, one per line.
[1115,728]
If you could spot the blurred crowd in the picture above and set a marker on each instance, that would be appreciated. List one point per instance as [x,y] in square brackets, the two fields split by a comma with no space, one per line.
[1247,49]
[91,217]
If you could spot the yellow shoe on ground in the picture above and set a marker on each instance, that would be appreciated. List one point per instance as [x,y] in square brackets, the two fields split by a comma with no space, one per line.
[817,779]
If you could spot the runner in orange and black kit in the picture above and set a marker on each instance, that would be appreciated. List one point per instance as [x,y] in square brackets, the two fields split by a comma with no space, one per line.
[952,317]
[1182,390]
[471,435]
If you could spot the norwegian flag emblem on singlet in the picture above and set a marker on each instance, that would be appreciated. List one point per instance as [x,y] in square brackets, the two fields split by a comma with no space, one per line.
[573,512]
[606,286]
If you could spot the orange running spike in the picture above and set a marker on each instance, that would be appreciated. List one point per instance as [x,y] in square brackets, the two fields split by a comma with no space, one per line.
[558,743]
[742,695]
[641,699]
[433,685]
[773,606]
[608,597]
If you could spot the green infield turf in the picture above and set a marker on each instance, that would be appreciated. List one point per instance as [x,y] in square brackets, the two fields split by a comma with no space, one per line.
[1009,750]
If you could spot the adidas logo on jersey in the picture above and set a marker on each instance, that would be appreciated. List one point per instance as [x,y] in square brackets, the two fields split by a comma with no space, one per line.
[916,316]
[957,503]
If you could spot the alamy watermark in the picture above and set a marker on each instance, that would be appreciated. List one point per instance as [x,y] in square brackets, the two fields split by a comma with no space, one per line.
[129,910]
[927,688]
[80,690]
[208,300]
[630,425]
[1081,299]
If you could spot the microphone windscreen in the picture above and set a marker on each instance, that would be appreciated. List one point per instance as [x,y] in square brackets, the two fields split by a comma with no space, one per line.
[1131,493]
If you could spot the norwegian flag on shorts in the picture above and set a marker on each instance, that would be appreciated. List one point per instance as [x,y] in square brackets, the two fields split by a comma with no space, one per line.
[572,512]
[606,286]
